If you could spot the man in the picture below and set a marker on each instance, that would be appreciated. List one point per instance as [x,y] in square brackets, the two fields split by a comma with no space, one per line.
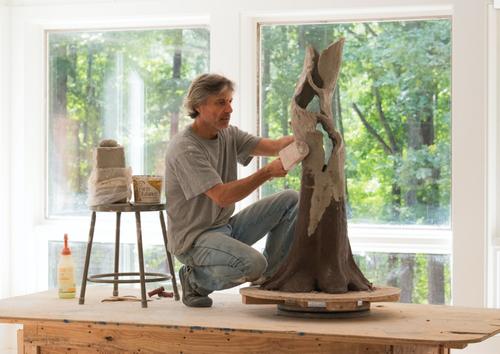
[202,189]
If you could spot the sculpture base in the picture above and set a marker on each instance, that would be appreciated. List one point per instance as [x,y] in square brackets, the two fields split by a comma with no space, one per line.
[321,305]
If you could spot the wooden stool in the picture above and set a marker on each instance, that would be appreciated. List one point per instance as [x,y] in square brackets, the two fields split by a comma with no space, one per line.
[152,277]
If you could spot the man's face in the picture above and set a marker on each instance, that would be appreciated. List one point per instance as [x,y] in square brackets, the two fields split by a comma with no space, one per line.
[216,111]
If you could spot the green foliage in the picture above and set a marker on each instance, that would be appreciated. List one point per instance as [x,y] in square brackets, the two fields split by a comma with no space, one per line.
[397,74]
[389,269]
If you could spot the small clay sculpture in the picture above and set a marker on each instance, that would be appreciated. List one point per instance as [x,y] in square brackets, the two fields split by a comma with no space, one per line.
[110,179]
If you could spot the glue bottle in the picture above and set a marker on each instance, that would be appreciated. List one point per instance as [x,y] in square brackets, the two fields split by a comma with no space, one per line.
[66,273]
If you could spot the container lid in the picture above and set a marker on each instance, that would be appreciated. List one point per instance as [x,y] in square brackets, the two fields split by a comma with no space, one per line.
[66,251]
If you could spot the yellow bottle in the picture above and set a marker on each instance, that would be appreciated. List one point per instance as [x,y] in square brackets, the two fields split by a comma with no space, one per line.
[66,273]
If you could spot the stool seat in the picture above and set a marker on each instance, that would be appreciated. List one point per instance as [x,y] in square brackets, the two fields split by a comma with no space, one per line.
[128,207]
[144,277]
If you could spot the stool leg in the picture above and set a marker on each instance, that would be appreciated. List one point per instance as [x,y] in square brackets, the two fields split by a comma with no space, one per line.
[117,252]
[141,259]
[87,260]
[169,256]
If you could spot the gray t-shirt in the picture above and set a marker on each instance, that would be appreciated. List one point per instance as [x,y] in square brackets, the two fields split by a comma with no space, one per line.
[193,165]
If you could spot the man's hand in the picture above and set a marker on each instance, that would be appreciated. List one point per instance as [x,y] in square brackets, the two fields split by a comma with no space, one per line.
[275,168]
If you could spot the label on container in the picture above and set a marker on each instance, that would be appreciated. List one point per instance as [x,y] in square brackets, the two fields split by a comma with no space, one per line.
[147,189]
[66,280]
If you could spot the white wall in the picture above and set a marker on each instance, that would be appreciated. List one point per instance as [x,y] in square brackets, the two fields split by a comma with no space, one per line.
[233,52]
[495,166]
[4,151]
[7,333]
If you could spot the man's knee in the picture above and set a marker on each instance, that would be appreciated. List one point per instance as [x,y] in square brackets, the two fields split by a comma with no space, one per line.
[256,265]
[290,197]
[291,202]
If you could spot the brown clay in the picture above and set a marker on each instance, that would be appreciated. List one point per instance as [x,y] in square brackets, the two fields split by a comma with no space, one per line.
[320,258]
[156,291]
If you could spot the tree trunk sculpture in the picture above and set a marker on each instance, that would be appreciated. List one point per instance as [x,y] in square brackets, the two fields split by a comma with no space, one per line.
[320,258]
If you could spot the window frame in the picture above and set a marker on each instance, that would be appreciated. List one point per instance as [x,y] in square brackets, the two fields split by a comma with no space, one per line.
[47,32]
[95,26]
[455,240]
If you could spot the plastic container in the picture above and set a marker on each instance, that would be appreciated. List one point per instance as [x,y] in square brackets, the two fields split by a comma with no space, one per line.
[147,189]
[66,273]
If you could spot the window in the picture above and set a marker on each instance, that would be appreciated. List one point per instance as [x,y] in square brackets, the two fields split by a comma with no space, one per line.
[392,106]
[422,278]
[124,85]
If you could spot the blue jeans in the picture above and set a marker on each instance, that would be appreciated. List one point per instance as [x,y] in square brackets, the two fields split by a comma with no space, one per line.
[221,258]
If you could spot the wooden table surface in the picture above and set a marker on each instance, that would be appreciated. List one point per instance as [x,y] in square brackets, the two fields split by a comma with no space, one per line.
[395,323]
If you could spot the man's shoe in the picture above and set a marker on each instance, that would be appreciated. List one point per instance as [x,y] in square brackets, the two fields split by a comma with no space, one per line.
[189,296]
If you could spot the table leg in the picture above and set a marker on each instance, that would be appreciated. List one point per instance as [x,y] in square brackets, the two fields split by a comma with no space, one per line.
[141,259]
[20,341]
[169,257]
[117,252]
[87,259]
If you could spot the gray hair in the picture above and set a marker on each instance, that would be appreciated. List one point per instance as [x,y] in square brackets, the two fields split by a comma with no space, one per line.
[201,88]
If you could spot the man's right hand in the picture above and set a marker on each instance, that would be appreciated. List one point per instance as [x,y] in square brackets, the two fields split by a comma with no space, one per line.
[275,168]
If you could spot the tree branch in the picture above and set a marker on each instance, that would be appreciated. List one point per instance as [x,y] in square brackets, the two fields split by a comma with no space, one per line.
[370,29]
[371,130]
[383,120]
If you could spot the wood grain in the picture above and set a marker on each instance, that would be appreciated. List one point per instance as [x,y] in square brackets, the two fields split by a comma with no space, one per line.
[128,207]
[399,325]
[379,294]
[71,338]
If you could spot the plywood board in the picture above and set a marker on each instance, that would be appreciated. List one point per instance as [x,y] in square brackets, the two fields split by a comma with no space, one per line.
[392,323]
[380,294]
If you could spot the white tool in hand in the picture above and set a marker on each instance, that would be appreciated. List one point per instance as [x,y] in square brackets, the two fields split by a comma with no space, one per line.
[293,153]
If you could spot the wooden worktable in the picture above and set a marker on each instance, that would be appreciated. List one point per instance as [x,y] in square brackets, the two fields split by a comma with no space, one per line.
[51,325]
